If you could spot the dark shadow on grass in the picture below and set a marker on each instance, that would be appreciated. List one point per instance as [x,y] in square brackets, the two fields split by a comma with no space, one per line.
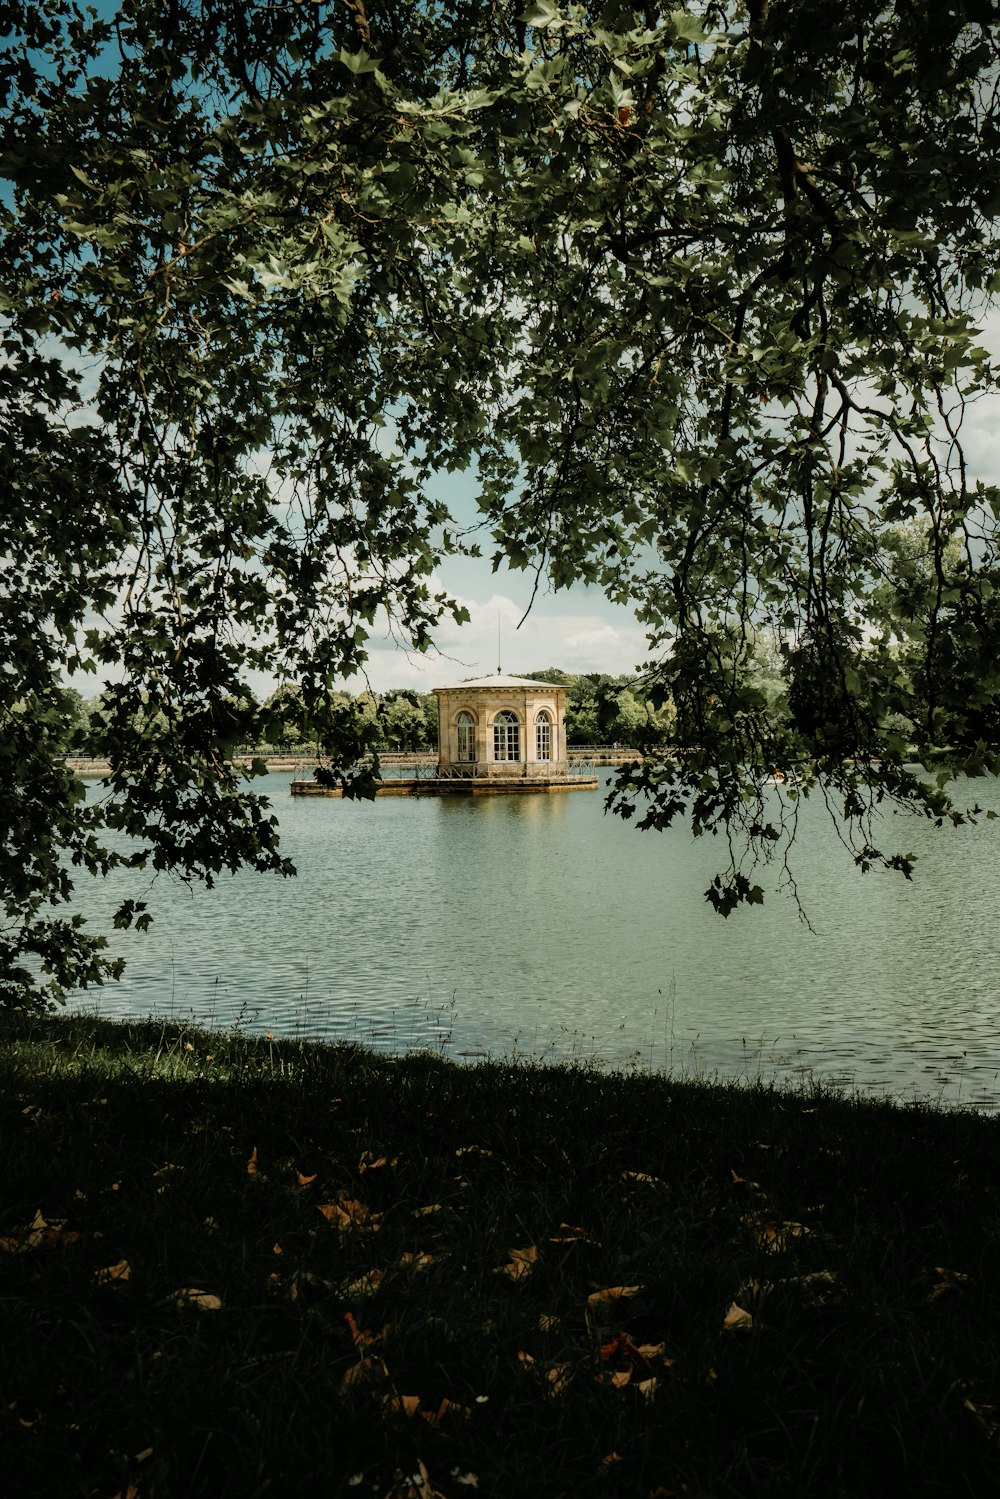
[408,1258]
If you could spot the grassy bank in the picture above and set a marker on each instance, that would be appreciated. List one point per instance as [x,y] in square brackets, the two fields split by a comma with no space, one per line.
[240,1267]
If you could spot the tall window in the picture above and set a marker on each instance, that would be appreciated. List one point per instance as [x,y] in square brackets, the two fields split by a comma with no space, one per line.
[466,736]
[543,736]
[506,736]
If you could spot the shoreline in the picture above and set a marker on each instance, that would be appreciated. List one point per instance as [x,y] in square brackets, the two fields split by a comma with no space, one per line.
[593,755]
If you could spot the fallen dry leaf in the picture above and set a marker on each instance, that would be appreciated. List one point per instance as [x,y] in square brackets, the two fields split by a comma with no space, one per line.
[612,1294]
[473,1150]
[433,1207]
[305,1181]
[365,1285]
[358,1336]
[349,1215]
[370,1163]
[112,1273]
[447,1407]
[737,1320]
[950,1281]
[547,1322]
[362,1338]
[776,1236]
[984,1416]
[557,1377]
[520,1264]
[418,1261]
[39,1231]
[658,1351]
[568,1233]
[252,1163]
[203,1300]
[640,1176]
[821,1284]
[773,1237]
[620,1349]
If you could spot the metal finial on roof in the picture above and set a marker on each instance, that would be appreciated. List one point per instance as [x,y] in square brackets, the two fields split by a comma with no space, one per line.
[499,667]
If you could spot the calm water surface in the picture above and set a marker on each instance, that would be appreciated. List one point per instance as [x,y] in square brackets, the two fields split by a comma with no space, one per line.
[537,925]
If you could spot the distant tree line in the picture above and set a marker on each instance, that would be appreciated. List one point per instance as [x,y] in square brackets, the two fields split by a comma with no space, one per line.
[602,709]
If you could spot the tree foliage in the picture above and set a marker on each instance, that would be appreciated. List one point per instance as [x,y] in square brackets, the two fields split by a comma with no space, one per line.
[696,289]
[606,710]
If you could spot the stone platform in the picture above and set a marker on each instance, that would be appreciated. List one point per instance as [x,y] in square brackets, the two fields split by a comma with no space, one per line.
[461,786]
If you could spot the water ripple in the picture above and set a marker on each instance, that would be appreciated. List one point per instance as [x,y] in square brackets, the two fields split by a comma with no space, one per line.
[540,927]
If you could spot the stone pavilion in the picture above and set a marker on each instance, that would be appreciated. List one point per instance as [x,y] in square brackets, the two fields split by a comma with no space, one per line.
[502,728]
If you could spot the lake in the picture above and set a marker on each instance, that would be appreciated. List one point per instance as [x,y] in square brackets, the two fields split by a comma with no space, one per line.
[539,926]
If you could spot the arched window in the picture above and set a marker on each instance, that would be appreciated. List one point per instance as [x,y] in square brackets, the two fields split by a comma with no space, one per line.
[466,736]
[506,736]
[543,736]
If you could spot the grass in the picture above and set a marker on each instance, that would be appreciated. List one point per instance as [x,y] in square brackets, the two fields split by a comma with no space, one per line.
[234,1266]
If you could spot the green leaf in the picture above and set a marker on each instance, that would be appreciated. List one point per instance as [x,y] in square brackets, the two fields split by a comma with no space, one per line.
[358,63]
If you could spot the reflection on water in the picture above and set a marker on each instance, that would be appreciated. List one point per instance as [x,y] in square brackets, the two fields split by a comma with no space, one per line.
[538,925]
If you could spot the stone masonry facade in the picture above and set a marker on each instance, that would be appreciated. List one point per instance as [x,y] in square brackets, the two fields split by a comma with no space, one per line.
[502,727]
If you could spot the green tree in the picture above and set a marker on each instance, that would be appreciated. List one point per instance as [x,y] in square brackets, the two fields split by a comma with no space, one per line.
[404,724]
[284,725]
[694,288]
[945,621]
[429,708]
[582,725]
[77,721]
[633,723]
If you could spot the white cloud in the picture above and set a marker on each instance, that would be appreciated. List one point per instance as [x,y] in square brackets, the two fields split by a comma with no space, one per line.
[981,440]
[597,637]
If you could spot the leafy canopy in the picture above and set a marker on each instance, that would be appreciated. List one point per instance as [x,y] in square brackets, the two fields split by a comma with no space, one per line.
[695,288]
